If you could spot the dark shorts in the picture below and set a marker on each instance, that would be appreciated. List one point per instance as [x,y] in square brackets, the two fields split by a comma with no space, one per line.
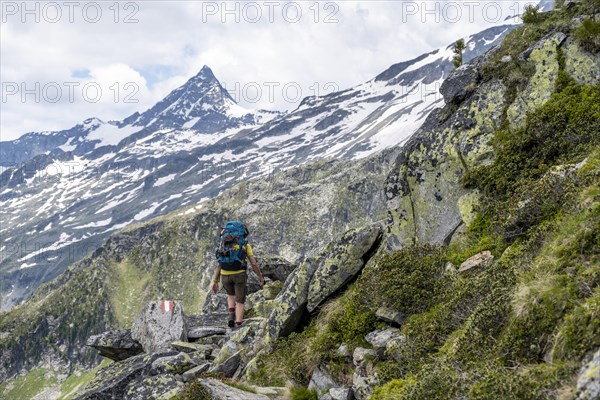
[235,285]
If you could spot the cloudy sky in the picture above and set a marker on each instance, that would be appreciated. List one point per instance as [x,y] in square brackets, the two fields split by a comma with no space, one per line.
[62,62]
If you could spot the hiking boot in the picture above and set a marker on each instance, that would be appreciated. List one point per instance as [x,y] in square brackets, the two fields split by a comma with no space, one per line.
[231,323]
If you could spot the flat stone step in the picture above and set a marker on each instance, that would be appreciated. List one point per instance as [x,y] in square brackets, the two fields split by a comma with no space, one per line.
[193,373]
[214,319]
[187,347]
[205,331]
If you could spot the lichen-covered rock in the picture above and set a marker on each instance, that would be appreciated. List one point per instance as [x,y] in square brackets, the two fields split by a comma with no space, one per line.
[542,83]
[291,301]
[176,364]
[481,260]
[220,391]
[272,289]
[582,66]
[160,324]
[117,345]
[342,263]
[321,381]
[424,188]
[460,81]
[588,382]
[161,387]
[111,382]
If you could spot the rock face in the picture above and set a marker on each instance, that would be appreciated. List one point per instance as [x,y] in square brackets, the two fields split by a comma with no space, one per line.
[116,345]
[541,85]
[161,324]
[343,262]
[588,382]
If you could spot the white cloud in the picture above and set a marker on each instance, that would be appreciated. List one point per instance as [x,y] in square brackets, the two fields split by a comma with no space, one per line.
[172,40]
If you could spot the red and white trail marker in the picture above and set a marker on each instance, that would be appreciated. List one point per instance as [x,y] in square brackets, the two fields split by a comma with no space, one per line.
[167,306]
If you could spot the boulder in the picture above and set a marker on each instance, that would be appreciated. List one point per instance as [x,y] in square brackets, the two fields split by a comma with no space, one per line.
[276,267]
[343,350]
[321,381]
[361,354]
[380,339]
[153,387]
[342,263]
[390,316]
[481,260]
[588,381]
[117,345]
[160,324]
[456,87]
[176,364]
[220,391]
[341,393]
[290,303]
[229,366]
[111,381]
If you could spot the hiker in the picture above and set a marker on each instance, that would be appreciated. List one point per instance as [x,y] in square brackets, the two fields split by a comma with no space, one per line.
[232,255]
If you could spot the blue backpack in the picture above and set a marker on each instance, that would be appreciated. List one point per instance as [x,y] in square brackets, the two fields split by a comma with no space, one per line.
[231,251]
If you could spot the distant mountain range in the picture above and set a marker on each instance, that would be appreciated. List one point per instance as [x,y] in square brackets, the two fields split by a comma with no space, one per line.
[69,190]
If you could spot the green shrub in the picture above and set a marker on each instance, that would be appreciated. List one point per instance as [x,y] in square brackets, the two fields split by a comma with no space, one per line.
[588,35]
[535,382]
[538,306]
[579,334]
[406,280]
[303,394]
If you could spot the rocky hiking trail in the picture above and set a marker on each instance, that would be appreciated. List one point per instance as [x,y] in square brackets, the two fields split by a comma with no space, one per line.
[167,349]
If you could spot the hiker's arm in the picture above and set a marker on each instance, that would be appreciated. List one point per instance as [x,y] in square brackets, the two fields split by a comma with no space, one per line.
[215,281]
[217,274]
[256,269]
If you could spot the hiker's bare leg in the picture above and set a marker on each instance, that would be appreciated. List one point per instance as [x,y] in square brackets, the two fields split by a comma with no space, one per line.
[239,312]
[231,302]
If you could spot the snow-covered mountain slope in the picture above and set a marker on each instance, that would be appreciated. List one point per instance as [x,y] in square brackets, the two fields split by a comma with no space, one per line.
[98,177]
